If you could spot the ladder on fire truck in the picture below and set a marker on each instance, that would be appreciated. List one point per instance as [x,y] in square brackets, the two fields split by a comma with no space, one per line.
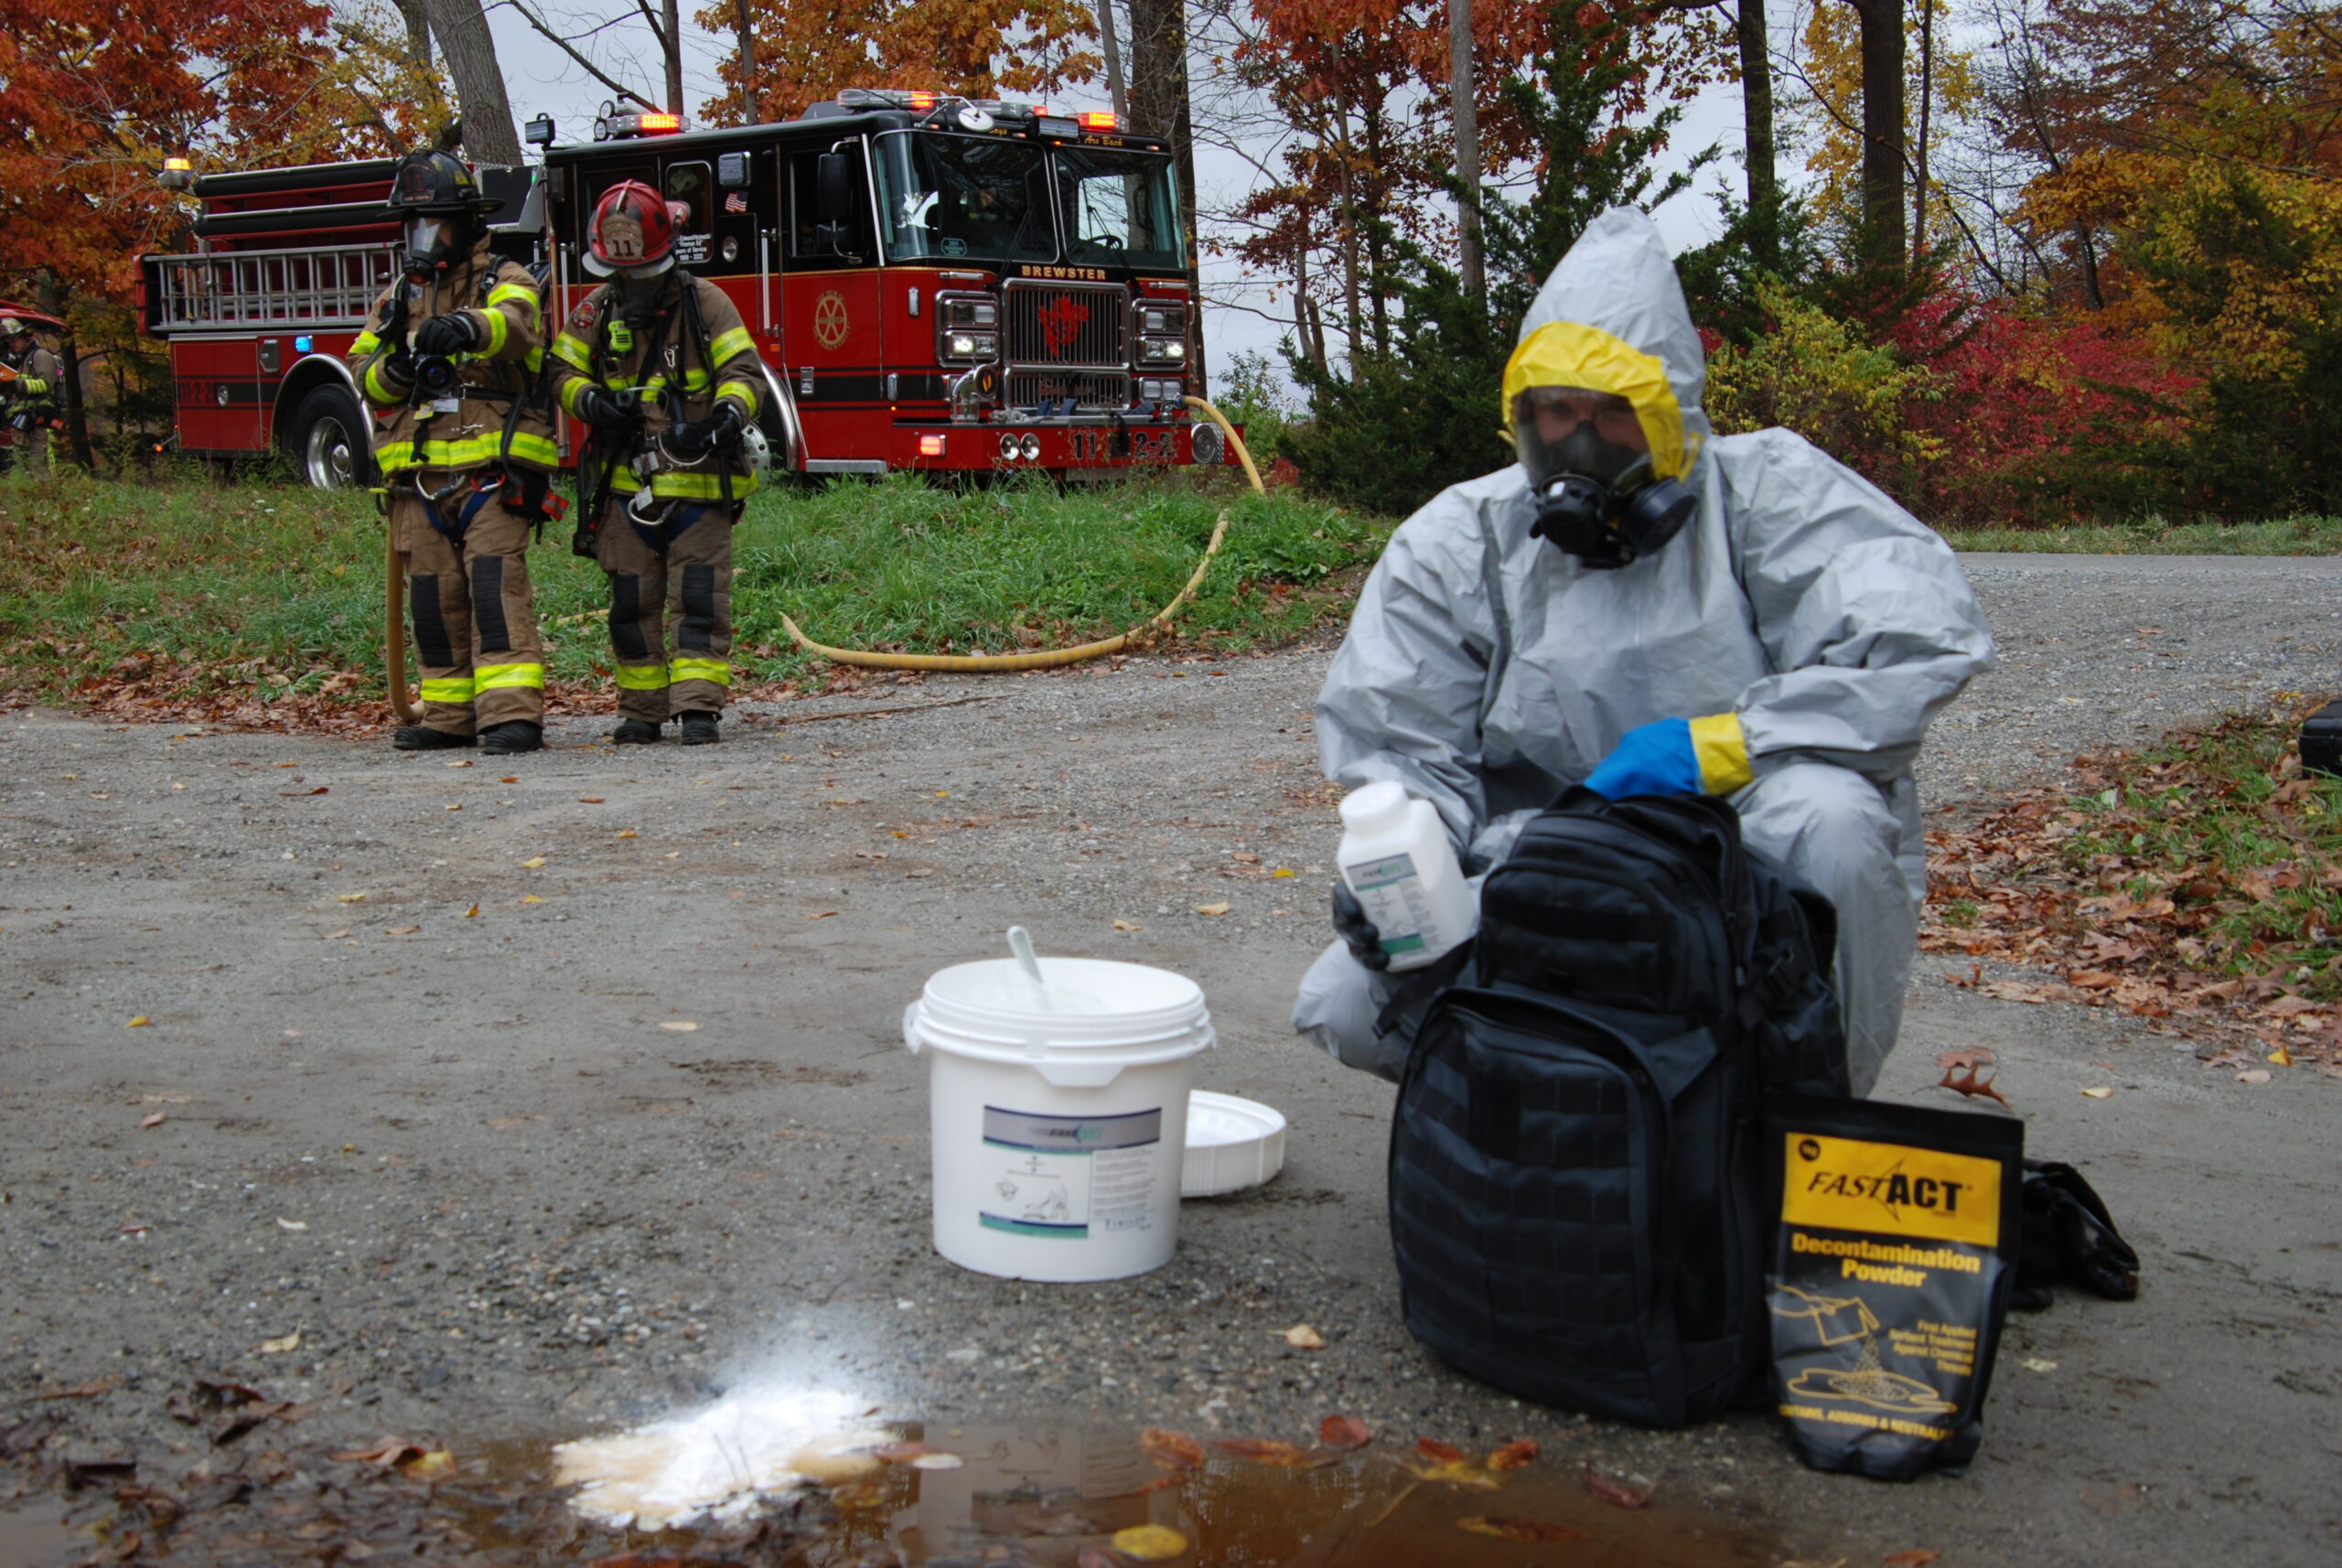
[318,287]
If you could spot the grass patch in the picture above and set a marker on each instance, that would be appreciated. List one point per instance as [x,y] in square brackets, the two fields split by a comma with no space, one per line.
[2283,536]
[277,589]
[2202,877]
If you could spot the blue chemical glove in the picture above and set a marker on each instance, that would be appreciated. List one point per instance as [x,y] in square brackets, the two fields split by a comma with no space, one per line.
[1675,757]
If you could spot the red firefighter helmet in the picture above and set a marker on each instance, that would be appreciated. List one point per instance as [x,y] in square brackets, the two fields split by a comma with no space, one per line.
[632,232]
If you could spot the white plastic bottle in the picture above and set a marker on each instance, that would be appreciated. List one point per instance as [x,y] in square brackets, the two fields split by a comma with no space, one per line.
[1397,859]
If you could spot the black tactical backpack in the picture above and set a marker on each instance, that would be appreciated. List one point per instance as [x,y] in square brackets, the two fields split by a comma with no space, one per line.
[1576,1176]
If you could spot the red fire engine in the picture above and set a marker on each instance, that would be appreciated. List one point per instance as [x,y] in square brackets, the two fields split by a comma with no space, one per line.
[933,283]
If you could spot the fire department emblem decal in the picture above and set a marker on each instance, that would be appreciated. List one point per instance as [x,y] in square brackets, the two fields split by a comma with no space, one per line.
[1061,323]
[830,323]
[621,235]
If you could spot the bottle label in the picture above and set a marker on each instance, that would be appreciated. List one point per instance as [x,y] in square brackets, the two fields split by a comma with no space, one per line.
[1391,893]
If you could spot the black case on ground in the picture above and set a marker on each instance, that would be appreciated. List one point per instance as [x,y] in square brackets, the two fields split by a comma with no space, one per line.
[2322,740]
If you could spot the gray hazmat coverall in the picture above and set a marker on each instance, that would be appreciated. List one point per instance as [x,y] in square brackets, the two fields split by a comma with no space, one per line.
[1486,670]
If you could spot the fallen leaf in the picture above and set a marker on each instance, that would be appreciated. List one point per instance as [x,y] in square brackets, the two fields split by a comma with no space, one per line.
[292,1224]
[2099,1092]
[1513,1455]
[1174,1449]
[678,1026]
[1246,855]
[388,1452]
[1301,1336]
[465,762]
[156,1120]
[1518,1529]
[299,794]
[534,863]
[821,914]
[1282,871]
[335,936]
[82,1391]
[589,799]
[1344,1433]
[435,1466]
[510,778]
[2281,1057]
[2253,1075]
[133,1228]
[628,833]
[1626,1492]
[349,898]
[2094,979]
[285,764]
[1150,1542]
[401,930]
[531,898]
[285,1347]
[922,871]
[472,913]
[140,1022]
[1971,1085]
[1965,1056]
[1265,1451]
[1220,908]
[1127,926]
[2037,1364]
[1442,1452]
[1911,1557]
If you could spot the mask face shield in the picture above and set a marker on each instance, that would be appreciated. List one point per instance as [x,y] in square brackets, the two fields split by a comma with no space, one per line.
[1580,431]
[430,241]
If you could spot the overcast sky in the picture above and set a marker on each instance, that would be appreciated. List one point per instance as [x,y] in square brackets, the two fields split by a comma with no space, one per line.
[541,80]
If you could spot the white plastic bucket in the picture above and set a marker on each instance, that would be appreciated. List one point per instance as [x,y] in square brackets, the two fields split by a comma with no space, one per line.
[1059,1113]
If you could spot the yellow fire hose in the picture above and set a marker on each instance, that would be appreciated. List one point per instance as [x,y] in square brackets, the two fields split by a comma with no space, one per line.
[957,663]
[1054,658]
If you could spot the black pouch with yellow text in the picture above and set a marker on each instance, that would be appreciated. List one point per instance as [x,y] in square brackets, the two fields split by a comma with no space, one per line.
[1895,1256]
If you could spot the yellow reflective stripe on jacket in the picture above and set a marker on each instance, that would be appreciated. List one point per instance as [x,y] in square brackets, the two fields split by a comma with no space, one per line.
[572,350]
[668,484]
[397,454]
[368,342]
[742,391]
[34,386]
[448,689]
[509,291]
[498,328]
[536,360]
[642,677]
[571,390]
[726,344]
[716,670]
[382,388]
[502,677]
[1722,751]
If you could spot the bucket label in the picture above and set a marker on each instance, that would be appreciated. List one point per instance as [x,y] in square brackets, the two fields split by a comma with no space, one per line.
[1067,1177]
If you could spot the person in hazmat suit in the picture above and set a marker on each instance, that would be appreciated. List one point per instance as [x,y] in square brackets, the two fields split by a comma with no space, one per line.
[30,393]
[1642,608]
[660,367]
[450,359]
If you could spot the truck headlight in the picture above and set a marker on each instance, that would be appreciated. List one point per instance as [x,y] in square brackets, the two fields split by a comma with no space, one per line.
[1163,351]
[964,345]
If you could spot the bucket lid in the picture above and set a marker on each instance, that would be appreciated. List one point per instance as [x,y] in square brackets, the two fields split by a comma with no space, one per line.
[1233,1144]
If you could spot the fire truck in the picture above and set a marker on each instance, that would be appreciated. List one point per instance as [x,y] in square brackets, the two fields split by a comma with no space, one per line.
[933,283]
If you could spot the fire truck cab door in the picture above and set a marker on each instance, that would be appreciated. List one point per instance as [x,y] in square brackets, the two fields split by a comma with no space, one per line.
[831,336]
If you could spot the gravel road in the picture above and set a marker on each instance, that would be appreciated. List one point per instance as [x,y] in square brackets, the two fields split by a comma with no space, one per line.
[539,1097]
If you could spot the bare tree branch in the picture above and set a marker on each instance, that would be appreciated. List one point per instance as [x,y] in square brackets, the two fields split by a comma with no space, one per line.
[596,71]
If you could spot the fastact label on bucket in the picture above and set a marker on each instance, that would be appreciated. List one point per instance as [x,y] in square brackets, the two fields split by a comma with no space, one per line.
[1070,1177]
[1891,1271]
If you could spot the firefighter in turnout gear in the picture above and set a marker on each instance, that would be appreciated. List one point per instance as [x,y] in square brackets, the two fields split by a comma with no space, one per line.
[657,364]
[451,360]
[30,392]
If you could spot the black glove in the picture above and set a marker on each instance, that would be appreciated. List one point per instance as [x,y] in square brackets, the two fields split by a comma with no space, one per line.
[697,437]
[1352,926]
[398,365]
[454,333]
[611,413]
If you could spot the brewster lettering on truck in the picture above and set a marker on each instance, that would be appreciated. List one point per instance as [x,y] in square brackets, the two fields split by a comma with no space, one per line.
[933,283]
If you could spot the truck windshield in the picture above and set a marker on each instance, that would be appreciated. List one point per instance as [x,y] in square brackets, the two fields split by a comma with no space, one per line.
[1120,206]
[982,198]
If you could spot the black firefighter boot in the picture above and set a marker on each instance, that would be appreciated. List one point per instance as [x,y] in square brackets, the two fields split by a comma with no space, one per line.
[423,737]
[635,732]
[512,736]
[700,728]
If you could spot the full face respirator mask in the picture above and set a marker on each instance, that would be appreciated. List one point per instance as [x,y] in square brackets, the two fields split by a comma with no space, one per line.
[1596,497]
[433,240]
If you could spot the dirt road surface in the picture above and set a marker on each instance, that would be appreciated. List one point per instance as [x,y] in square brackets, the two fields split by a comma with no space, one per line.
[531,1099]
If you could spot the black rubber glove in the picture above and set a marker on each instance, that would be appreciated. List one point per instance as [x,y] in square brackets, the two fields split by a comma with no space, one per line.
[398,366]
[1352,926]
[611,413]
[454,333]
[697,437]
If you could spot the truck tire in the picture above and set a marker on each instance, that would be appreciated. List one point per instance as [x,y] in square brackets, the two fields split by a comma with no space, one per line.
[327,440]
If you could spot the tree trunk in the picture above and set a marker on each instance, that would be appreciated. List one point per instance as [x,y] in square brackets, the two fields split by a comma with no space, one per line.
[2086,248]
[1756,105]
[1378,289]
[418,32]
[1920,151]
[673,42]
[1158,95]
[1354,322]
[1882,57]
[470,52]
[751,110]
[1109,39]
[1466,112]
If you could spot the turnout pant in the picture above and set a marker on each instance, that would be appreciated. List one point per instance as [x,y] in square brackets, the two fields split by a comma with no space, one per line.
[32,451]
[474,615]
[676,580]
[1826,828]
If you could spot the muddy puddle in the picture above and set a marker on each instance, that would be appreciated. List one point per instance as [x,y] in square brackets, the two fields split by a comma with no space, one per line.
[33,1534]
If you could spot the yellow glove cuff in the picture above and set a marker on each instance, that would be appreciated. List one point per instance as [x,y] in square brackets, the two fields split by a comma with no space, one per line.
[1722,752]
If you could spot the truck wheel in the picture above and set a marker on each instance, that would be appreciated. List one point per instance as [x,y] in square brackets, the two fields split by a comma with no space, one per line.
[327,439]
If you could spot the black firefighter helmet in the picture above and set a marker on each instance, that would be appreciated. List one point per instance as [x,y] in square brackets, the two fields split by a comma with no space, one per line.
[437,198]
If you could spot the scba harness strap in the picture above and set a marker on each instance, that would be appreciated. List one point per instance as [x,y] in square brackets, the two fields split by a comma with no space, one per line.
[527,493]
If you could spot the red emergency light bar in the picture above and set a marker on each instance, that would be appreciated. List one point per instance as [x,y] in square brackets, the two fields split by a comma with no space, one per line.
[1097,120]
[658,121]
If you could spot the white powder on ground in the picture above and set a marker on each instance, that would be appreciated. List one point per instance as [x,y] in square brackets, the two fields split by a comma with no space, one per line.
[715,1463]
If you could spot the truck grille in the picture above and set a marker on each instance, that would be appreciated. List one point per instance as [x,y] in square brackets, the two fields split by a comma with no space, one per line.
[1053,326]
[1091,391]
